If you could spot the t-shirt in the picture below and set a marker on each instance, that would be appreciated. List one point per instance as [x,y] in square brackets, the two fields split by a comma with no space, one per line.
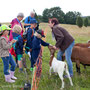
[27,20]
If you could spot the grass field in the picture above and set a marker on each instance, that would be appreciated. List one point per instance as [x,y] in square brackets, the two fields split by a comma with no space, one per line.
[53,82]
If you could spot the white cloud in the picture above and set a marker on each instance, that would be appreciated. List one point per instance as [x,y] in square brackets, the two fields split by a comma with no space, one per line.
[10,8]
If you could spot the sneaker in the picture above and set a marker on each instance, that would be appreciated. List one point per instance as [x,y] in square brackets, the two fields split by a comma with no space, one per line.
[31,69]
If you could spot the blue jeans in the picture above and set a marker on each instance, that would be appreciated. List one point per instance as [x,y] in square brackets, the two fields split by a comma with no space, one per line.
[68,53]
[6,61]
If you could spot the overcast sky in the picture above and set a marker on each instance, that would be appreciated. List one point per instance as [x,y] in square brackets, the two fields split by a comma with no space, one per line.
[10,8]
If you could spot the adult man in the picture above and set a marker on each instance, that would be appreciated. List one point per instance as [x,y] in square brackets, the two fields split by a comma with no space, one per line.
[28,19]
[64,42]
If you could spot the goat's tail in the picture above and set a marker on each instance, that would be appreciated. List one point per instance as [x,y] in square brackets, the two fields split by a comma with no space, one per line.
[66,68]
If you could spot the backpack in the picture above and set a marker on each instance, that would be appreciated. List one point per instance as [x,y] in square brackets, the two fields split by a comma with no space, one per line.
[37,27]
[25,34]
[15,44]
[28,21]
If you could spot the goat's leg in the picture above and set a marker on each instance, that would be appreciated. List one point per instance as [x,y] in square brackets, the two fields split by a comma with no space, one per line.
[84,66]
[62,80]
[78,66]
[50,70]
[66,70]
[78,69]
[63,58]
[69,77]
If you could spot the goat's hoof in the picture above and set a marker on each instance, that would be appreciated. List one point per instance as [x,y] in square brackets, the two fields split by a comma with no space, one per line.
[56,74]
[71,84]
[61,88]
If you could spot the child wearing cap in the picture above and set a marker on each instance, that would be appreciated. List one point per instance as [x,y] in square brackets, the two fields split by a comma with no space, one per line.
[36,46]
[18,46]
[5,55]
[30,35]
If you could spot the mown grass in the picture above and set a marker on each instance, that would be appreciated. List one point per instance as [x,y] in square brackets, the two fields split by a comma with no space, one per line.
[53,82]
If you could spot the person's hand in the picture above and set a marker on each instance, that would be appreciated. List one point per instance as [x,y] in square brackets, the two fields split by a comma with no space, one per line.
[55,48]
[50,46]
[30,50]
[13,41]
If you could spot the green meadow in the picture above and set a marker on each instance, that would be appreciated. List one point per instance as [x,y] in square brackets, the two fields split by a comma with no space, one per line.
[53,82]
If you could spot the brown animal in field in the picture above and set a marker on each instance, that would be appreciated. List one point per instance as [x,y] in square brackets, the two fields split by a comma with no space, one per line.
[80,55]
[89,41]
[84,45]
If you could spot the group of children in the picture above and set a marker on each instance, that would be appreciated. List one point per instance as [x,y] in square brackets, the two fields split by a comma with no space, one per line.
[33,45]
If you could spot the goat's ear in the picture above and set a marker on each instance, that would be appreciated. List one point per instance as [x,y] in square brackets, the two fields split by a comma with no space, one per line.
[50,63]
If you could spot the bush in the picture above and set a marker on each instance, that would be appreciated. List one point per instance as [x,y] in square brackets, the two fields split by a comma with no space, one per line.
[86,22]
[79,22]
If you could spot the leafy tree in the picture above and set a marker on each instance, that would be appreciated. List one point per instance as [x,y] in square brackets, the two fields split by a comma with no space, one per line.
[77,14]
[40,18]
[79,22]
[54,12]
[86,22]
[45,15]
[36,16]
[70,17]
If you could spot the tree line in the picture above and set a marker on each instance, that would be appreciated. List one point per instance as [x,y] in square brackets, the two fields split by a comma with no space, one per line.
[56,12]
[71,17]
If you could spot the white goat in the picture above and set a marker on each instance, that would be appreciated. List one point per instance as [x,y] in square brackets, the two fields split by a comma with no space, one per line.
[59,67]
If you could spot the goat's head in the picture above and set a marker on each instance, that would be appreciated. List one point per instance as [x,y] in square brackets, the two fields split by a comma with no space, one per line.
[52,52]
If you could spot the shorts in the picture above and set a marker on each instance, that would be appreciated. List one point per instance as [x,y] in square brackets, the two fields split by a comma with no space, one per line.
[19,57]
